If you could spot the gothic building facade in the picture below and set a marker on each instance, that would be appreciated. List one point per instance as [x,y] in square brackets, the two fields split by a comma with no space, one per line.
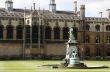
[43,33]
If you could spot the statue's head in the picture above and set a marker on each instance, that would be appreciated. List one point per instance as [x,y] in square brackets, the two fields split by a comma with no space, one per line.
[71,29]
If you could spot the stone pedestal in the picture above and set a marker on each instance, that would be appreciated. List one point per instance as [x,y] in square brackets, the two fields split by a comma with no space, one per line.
[74,61]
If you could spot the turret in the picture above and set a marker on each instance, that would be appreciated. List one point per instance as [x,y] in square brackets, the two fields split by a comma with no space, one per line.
[82,12]
[52,6]
[9,5]
[108,13]
[34,12]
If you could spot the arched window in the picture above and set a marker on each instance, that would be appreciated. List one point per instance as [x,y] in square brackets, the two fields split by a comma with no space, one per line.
[83,27]
[97,27]
[75,31]
[87,51]
[87,27]
[65,32]
[27,33]
[108,39]
[98,51]
[19,32]
[97,39]
[1,31]
[41,33]
[56,33]
[35,23]
[87,39]
[28,21]
[9,31]
[35,34]
[0,21]
[108,28]
[48,32]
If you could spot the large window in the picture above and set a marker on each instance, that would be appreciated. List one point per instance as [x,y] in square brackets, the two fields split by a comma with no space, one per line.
[108,28]
[97,39]
[87,51]
[108,51]
[35,34]
[48,32]
[87,39]
[19,32]
[56,33]
[97,27]
[98,51]
[87,27]
[9,31]
[65,33]
[1,32]
[75,31]
[27,33]
[41,33]
[0,21]
[108,39]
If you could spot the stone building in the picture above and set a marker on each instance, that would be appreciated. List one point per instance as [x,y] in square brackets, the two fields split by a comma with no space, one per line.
[31,33]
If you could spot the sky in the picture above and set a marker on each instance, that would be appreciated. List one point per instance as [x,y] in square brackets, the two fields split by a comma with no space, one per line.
[93,7]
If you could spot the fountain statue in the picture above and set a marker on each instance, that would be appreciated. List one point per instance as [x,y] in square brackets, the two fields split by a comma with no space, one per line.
[72,59]
[71,46]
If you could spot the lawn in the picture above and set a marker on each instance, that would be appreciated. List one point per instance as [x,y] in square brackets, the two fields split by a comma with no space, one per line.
[36,66]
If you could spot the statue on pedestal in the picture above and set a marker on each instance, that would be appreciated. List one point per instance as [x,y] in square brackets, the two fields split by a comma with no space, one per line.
[71,51]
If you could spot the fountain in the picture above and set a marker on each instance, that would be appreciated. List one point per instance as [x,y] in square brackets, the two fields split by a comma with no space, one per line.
[72,60]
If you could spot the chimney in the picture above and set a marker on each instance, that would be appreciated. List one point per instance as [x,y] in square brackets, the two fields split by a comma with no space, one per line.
[52,6]
[75,3]
[82,12]
[9,5]
[100,14]
[34,6]
[52,1]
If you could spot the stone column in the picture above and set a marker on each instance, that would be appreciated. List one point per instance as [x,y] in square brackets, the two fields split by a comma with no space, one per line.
[14,34]
[61,34]
[52,34]
[4,34]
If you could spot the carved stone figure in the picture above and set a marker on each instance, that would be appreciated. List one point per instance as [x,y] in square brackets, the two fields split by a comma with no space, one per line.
[71,36]
[71,51]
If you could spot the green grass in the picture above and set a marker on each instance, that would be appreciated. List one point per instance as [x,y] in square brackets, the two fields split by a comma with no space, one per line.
[36,66]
